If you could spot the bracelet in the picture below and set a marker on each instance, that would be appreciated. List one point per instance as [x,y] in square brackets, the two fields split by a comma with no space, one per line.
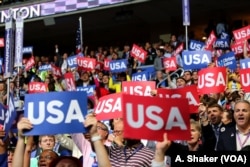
[96,138]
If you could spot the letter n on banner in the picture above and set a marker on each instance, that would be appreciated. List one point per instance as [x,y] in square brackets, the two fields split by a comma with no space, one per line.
[212,80]
[155,116]
[245,79]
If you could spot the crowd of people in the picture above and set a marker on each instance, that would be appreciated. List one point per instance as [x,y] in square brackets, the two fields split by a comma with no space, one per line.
[222,122]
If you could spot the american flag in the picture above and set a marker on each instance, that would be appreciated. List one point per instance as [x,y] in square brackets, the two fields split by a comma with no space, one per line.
[79,37]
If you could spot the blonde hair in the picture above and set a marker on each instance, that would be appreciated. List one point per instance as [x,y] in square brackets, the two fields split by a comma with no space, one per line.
[196,124]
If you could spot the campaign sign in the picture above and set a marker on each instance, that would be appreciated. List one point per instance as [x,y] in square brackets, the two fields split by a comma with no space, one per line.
[212,80]
[99,66]
[37,87]
[227,60]
[70,81]
[88,89]
[210,41]
[188,92]
[3,111]
[196,45]
[72,61]
[109,107]
[116,66]
[154,117]
[138,88]
[46,67]
[56,112]
[196,59]
[140,76]
[86,63]
[10,116]
[238,48]
[245,79]
[242,34]
[222,44]
[56,71]
[1,65]
[106,64]
[170,63]
[138,53]
[28,49]
[178,50]
[30,63]
[224,35]
[245,63]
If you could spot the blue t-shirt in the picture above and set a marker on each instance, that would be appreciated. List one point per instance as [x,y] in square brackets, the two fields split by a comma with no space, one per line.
[3,160]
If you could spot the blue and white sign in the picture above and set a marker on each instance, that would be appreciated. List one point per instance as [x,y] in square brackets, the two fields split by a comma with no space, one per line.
[8,54]
[28,49]
[245,63]
[56,112]
[196,45]
[3,111]
[222,44]
[186,12]
[72,61]
[45,67]
[227,60]
[224,35]
[10,115]
[19,42]
[1,65]
[118,65]
[196,59]
[140,76]
[88,89]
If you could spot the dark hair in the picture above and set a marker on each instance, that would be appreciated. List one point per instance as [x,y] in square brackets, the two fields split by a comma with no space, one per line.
[76,161]
[215,105]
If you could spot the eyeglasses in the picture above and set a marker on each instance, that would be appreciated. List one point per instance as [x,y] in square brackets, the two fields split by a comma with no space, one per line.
[101,128]
[117,132]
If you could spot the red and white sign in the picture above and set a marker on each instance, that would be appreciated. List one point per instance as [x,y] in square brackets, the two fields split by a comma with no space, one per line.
[245,79]
[210,41]
[188,92]
[37,87]
[1,42]
[139,53]
[109,107]
[30,63]
[106,64]
[86,63]
[149,118]
[242,34]
[170,63]
[238,48]
[178,50]
[212,80]
[99,66]
[56,71]
[138,88]
[70,81]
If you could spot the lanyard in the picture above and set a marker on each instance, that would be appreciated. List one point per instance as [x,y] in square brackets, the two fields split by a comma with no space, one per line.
[244,142]
[135,151]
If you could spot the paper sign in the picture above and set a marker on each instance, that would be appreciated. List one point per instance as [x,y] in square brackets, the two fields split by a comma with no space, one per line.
[138,88]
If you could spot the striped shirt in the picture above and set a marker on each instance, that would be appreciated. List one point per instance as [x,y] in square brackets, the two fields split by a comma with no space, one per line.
[139,156]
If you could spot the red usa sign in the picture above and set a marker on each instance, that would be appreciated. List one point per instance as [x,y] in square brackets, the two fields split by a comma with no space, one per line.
[70,81]
[245,79]
[155,116]
[56,71]
[238,48]
[37,87]
[138,87]
[188,92]
[106,64]
[139,53]
[170,63]
[109,107]
[212,80]
[242,34]
[30,63]
[86,63]
[210,41]
[178,49]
